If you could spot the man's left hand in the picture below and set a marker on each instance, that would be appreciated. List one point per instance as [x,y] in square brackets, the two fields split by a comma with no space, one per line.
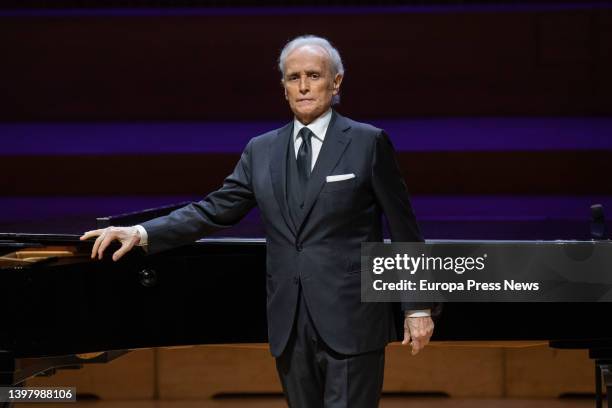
[419,330]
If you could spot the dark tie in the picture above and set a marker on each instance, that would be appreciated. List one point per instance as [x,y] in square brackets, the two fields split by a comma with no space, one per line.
[304,157]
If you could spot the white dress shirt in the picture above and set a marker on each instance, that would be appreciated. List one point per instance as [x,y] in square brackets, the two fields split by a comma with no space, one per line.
[318,127]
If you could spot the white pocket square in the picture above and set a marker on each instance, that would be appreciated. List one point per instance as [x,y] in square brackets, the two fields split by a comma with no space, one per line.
[339,177]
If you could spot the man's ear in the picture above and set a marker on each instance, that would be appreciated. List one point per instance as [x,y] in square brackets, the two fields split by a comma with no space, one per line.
[337,81]
[284,89]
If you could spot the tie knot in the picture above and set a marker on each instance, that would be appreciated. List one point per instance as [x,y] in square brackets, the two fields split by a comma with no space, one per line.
[306,134]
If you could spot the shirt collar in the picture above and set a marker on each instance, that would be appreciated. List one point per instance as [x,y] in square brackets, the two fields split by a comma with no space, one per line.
[318,126]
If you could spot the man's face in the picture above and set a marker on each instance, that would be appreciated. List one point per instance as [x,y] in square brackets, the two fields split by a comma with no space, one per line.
[309,83]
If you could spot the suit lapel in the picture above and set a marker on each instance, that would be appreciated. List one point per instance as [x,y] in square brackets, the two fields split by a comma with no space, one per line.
[278,171]
[334,144]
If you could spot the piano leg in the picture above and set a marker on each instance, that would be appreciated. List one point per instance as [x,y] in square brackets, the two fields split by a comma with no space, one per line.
[603,371]
[598,374]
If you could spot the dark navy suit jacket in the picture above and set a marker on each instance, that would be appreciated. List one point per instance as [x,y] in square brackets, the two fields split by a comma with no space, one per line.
[323,251]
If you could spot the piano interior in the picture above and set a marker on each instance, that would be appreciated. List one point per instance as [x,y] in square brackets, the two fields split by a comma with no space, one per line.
[28,257]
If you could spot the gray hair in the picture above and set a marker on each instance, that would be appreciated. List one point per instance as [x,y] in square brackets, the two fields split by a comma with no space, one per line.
[334,55]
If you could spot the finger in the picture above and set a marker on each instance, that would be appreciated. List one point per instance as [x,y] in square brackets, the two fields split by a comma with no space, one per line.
[416,346]
[91,234]
[406,336]
[108,238]
[125,247]
[96,245]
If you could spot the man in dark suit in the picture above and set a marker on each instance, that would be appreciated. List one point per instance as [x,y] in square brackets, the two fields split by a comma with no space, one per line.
[322,183]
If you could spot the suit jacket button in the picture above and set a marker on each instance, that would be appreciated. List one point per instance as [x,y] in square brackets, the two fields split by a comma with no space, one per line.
[296,280]
[298,247]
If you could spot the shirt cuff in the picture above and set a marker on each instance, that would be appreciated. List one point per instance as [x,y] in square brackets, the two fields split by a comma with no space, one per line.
[144,238]
[418,313]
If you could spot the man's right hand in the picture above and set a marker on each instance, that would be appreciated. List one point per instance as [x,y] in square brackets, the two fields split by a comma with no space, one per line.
[127,236]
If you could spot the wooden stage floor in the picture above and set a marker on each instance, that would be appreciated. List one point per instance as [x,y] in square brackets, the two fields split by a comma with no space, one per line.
[278,402]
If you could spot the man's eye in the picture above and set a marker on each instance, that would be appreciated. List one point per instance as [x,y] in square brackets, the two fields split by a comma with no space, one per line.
[314,76]
[292,78]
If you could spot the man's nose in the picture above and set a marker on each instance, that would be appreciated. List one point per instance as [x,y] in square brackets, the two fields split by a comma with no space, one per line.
[304,85]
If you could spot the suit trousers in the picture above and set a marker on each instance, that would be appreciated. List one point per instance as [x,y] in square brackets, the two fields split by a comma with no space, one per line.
[315,376]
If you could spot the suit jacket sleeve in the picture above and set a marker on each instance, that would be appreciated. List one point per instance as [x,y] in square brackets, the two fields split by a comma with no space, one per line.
[220,209]
[392,196]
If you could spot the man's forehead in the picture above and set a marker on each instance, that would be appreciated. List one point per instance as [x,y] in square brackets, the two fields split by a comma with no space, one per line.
[307,57]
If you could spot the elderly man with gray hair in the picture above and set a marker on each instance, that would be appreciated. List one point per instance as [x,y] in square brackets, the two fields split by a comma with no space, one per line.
[322,183]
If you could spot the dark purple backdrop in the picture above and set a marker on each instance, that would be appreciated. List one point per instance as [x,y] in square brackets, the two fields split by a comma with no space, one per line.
[501,115]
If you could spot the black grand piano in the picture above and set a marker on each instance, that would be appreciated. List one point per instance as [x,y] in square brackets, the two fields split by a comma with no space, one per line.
[61,309]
